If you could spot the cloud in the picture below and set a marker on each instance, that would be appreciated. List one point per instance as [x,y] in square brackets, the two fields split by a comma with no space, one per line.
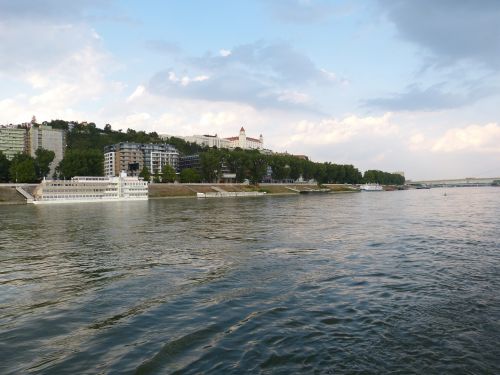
[260,74]
[476,138]
[55,61]
[332,131]
[432,98]
[449,30]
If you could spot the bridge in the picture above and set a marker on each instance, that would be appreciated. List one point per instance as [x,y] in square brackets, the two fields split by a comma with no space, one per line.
[468,181]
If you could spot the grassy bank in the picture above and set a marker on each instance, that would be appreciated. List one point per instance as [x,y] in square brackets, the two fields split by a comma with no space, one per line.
[190,190]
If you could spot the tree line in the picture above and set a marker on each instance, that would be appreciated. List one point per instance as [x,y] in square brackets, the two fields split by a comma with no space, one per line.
[84,157]
[24,168]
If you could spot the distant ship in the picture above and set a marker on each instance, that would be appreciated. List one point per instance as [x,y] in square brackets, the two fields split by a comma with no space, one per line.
[82,189]
[371,187]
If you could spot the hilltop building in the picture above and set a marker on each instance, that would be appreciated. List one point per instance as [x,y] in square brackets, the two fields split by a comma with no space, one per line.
[13,140]
[208,140]
[246,143]
[241,141]
[133,157]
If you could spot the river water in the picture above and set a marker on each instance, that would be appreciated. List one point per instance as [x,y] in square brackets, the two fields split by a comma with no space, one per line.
[405,282]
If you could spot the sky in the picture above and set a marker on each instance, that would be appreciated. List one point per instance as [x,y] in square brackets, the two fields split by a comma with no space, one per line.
[395,85]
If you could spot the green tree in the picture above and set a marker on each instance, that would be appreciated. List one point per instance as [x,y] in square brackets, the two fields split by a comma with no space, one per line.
[238,161]
[189,175]
[211,165]
[168,173]
[156,178]
[42,161]
[257,167]
[4,168]
[22,169]
[279,167]
[81,163]
[145,174]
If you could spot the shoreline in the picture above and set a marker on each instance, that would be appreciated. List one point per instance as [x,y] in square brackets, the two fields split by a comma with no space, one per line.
[9,195]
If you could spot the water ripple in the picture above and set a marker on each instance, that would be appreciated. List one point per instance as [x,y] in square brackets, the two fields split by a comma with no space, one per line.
[403,282]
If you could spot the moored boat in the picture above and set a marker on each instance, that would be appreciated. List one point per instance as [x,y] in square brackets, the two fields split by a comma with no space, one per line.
[371,187]
[82,189]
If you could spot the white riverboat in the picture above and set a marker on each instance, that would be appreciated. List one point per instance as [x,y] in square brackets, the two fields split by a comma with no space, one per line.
[371,187]
[82,189]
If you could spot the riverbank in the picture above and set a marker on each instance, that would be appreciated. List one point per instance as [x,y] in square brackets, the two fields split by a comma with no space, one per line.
[190,190]
[9,195]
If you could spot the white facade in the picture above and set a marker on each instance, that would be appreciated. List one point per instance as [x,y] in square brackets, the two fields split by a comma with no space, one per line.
[91,189]
[208,141]
[109,163]
[246,143]
[241,141]
[158,159]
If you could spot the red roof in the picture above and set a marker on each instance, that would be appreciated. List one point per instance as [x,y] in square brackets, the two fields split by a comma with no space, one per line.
[242,129]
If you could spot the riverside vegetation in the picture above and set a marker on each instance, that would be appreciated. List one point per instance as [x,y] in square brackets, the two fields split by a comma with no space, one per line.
[84,157]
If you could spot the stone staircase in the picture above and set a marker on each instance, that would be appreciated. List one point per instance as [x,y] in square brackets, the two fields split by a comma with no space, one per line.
[24,193]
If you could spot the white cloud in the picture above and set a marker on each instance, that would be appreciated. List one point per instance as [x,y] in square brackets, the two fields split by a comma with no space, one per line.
[186,80]
[476,138]
[225,52]
[294,97]
[417,142]
[333,131]
[138,92]
[218,119]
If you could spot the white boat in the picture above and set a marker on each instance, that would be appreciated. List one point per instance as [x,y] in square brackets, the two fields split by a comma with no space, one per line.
[82,189]
[371,187]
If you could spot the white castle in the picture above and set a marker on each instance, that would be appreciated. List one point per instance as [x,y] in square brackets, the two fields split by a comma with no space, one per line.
[241,141]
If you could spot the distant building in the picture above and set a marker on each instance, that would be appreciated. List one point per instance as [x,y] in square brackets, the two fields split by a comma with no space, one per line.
[208,141]
[246,143]
[45,137]
[13,140]
[190,161]
[133,157]
[241,141]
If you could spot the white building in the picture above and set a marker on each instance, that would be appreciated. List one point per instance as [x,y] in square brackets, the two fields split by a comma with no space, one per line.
[208,141]
[133,157]
[241,141]
[246,143]
[109,163]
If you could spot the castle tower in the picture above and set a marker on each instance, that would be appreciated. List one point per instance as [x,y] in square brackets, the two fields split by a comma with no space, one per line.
[242,138]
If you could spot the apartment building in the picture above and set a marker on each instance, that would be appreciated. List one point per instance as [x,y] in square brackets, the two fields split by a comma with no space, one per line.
[132,157]
[44,136]
[13,140]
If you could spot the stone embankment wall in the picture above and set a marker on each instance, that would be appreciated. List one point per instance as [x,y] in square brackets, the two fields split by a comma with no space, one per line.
[190,190]
[9,195]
